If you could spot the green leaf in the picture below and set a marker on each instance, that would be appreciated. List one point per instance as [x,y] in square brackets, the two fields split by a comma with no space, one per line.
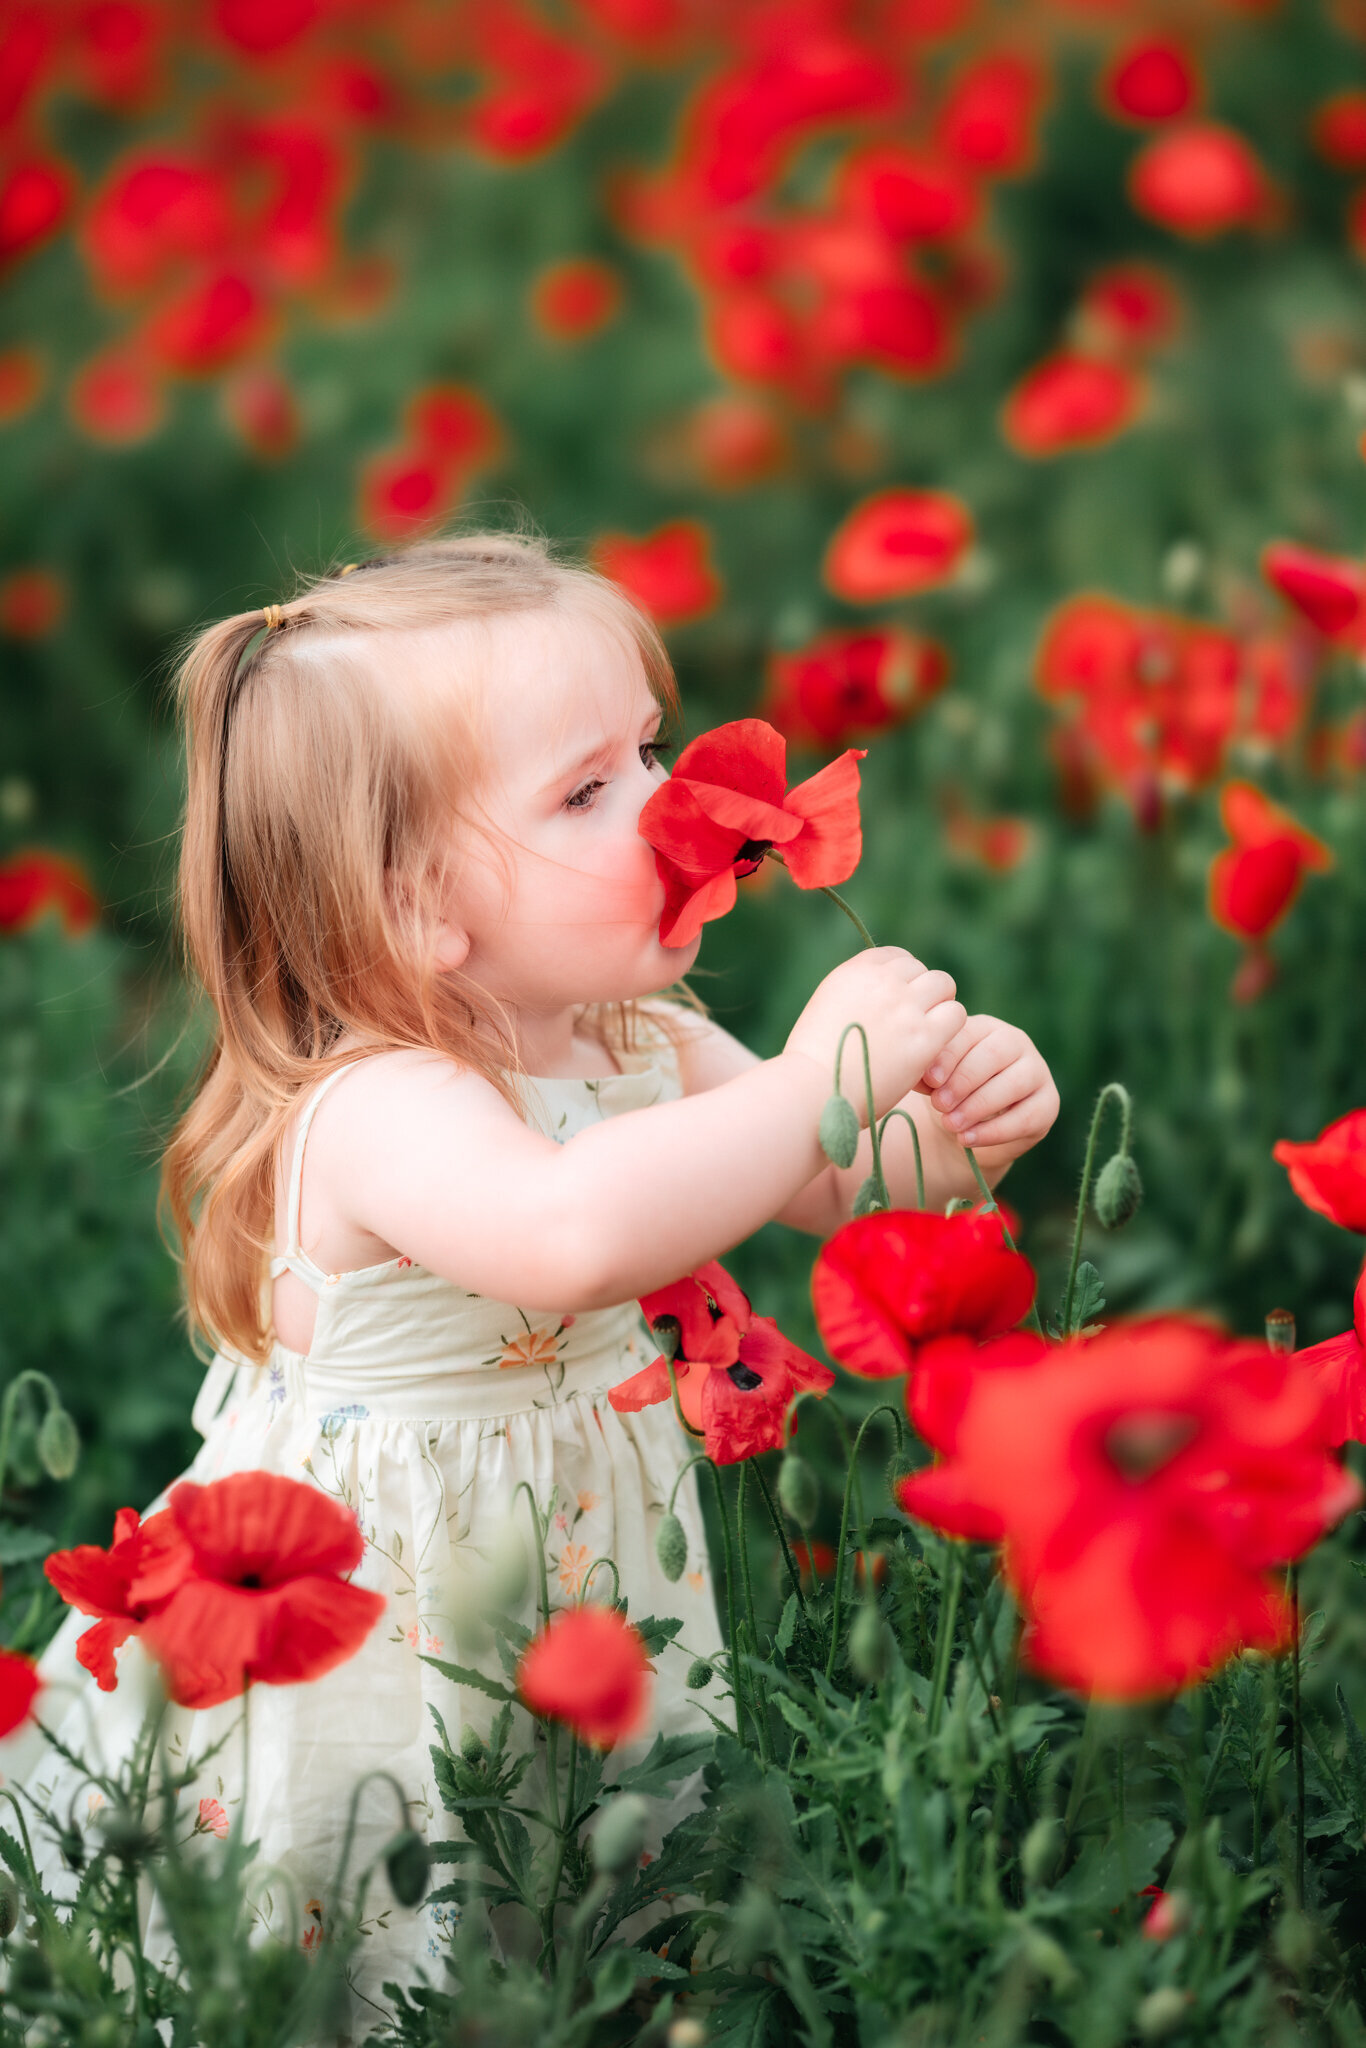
[787,1627]
[20,1545]
[1356,1750]
[462,1674]
[744,2019]
[1109,1872]
[658,1634]
[670,1757]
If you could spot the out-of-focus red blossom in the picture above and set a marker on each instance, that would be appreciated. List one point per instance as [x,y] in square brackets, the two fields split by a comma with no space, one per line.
[1328,590]
[1254,883]
[1071,401]
[896,543]
[255,1591]
[1128,308]
[1339,130]
[32,602]
[726,803]
[117,397]
[22,377]
[1338,1367]
[589,1669]
[453,424]
[651,27]
[451,435]
[996,844]
[1200,180]
[669,573]
[155,213]
[262,28]
[852,684]
[34,881]
[538,84]
[989,114]
[259,404]
[1329,1173]
[200,330]
[1151,80]
[886,1285]
[1143,1484]
[1166,1915]
[29,38]
[816,1560]
[116,52]
[19,1688]
[35,198]
[737,1374]
[734,441]
[926,21]
[911,194]
[576,298]
[98,1582]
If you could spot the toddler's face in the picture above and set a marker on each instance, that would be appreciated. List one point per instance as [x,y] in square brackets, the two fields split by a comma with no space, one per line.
[570,722]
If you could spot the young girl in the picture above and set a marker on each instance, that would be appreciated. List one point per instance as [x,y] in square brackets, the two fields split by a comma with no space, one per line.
[451,1105]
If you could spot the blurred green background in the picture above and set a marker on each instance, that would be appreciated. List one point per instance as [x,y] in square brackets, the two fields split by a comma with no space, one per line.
[284,281]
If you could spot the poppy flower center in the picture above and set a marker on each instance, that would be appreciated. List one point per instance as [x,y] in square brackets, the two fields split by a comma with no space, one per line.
[1140,1444]
[744,1378]
[250,1579]
[750,855]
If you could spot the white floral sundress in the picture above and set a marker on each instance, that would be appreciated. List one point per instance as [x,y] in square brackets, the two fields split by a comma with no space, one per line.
[421,1406]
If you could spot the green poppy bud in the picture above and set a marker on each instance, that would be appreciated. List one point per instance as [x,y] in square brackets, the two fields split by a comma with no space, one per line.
[754,1925]
[870,1645]
[1039,1851]
[59,1446]
[668,1335]
[699,1674]
[1118,1191]
[798,1489]
[471,1745]
[24,1462]
[106,2031]
[1048,1958]
[1293,1940]
[1162,2012]
[409,1867]
[9,1905]
[839,1131]
[671,1548]
[867,1198]
[619,1836]
[125,1836]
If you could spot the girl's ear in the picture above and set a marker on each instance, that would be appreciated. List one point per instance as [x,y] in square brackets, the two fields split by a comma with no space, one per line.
[452,946]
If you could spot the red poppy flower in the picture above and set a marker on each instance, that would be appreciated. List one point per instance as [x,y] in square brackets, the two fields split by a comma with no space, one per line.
[734,441]
[260,405]
[1070,401]
[402,493]
[896,543]
[1199,181]
[913,195]
[117,398]
[19,1687]
[453,425]
[155,214]
[264,27]
[1338,1366]
[669,572]
[208,325]
[997,844]
[34,200]
[885,1284]
[1150,81]
[848,683]
[1253,885]
[22,377]
[588,1668]
[576,298]
[261,1596]
[1128,308]
[988,115]
[31,603]
[34,881]
[98,1582]
[737,1375]
[1143,1483]
[116,51]
[1328,590]
[816,1560]
[1329,1174]
[538,84]
[1339,130]
[726,803]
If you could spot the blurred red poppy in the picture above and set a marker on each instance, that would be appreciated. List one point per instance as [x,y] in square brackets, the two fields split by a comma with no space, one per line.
[896,543]
[852,684]
[538,84]
[156,212]
[912,194]
[34,881]
[734,441]
[997,844]
[116,51]
[1127,308]
[400,494]
[1338,1367]
[35,198]
[117,397]
[726,803]
[264,27]
[32,602]
[737,1375]
[452,434]
[988,115]
[589,1669]
[886,1284]
[98,1582]
[1143,1484]
[200,330]
[1071,401]
[453,424]
[1328,590]
[1339,129]
[257,1592]
[816,1560]
[1329,1173]
[22,377]
[1150,80]
[19,1688]
[259,404]
[669,573]
[576,298]
[1199,180]
[1254,883]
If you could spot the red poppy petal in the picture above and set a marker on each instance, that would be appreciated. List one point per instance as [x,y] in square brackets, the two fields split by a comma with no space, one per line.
[831,846]
[95,1650]
[19,1687]
[746,754]
[644,1388]
[267,1526]
[315,1625]
[685,914]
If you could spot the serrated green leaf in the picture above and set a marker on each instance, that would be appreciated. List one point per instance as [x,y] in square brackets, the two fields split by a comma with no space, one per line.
[463,1674]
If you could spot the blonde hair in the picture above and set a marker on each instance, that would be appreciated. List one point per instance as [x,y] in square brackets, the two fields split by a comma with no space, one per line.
[316,840]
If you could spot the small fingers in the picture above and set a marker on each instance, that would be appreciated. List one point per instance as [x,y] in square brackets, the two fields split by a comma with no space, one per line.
[940,1024]
[993,1098]
[1023,1124]
[932,986]
[989,1055]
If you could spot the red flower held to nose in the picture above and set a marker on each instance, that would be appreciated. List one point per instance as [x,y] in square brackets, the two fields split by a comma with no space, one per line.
[896,543]
[1253,884]
[727,803]
[888,1283]
[588,1668]
[1143,1484]
[256,1592]
[1329,1174]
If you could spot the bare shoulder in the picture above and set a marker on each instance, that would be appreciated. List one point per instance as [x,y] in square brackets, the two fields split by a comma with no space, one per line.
[708,1054]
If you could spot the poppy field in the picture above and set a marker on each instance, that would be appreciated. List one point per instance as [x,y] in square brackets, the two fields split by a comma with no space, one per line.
[976,393]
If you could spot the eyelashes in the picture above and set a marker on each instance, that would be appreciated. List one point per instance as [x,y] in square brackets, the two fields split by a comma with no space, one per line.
[655,748]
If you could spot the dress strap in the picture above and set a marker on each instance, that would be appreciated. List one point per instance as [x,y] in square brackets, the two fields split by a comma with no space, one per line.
[295,1259]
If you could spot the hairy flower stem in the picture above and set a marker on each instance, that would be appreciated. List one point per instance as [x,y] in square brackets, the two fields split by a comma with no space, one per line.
[30,1377]
[1297,1727]
[759,1698]
[943,1648]
[994,1207]
[777,1521]
[563,1830]
[883,1408]
[915,1140]
[1113,1091]
[877,1176]
[349,1836]
[552,1748]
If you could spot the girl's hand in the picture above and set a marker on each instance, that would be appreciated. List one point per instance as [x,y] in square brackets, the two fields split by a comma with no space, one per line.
[991,1087]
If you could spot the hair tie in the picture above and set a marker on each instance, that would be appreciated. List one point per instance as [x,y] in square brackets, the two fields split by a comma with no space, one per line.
[271,614]
[349,567]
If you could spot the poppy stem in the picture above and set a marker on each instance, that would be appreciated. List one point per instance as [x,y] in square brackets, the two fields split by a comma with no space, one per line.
[1297,1728]
[759,1702]
[994,1208]
[548,1918]
[735,1681]
[915,1140]
[1113,1091]
[943,1649]
[859,926]
[616,1580]
[678,1406]
[874,1133]
[523,1487]
[776,1520]
[883,1408]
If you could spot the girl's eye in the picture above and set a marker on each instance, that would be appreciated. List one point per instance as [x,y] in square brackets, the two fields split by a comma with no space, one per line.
[582,799]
